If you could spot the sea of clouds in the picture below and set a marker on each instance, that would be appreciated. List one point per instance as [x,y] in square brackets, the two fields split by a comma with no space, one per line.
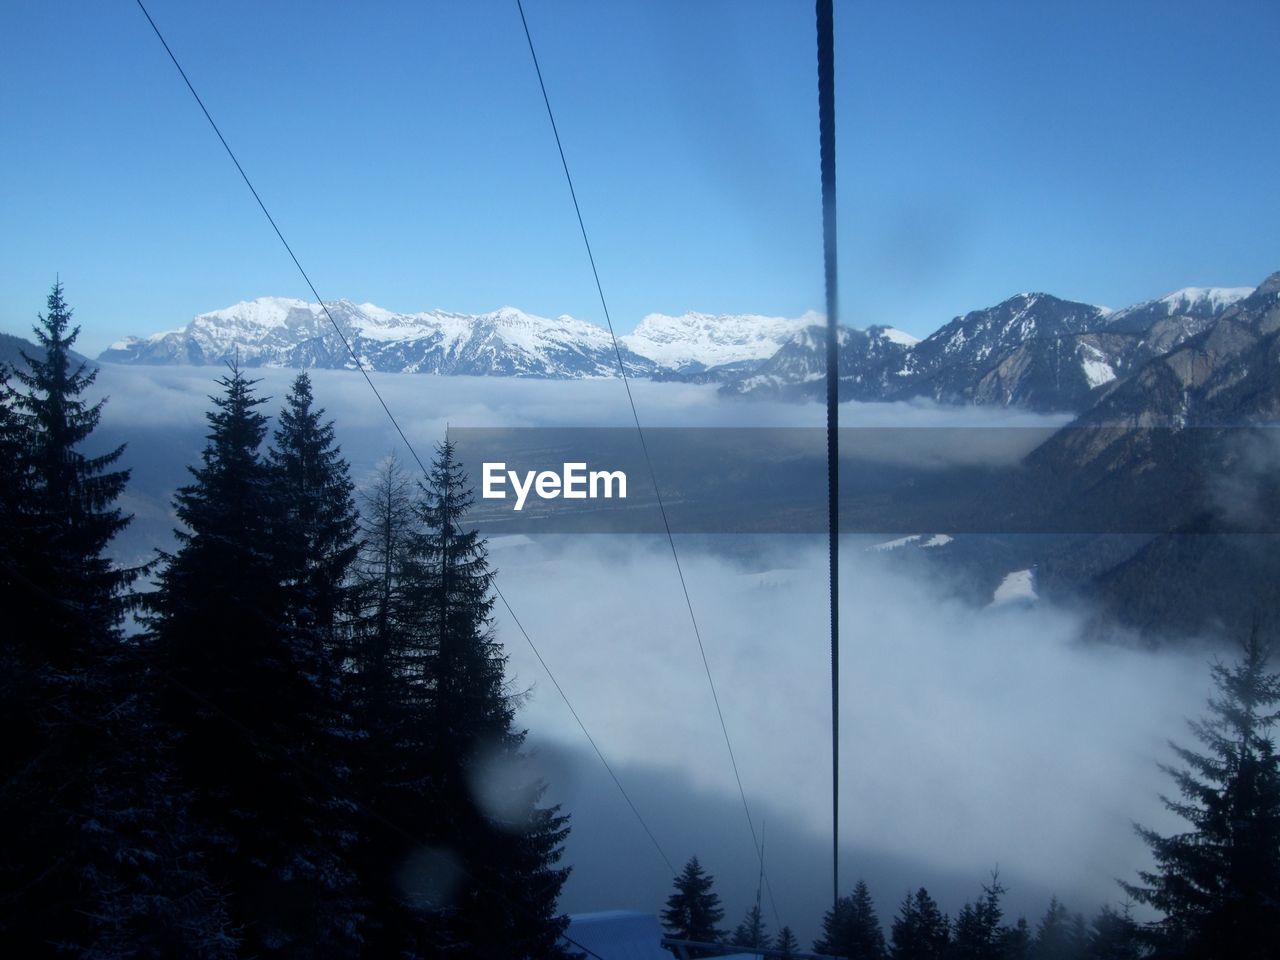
[971,737]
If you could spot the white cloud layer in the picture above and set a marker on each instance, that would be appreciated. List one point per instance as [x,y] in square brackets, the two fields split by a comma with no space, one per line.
[970,737]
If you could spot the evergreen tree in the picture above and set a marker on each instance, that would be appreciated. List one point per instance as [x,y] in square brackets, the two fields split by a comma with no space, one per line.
[68,510]
[1218,884]
[1060,935]
[509,844]
[693,910]
[381,649]
[385,664]
[920,931]
[451,767]
[85,869]
[977,933]
[786,945]
[752,932]
[13,489]
[1015,943]
[249,698]
[314,485]
[851,929]
[1114,936]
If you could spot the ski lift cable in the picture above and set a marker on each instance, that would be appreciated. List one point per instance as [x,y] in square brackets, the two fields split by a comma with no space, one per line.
[585,732]
[827,149]
[635,416]
[390,416]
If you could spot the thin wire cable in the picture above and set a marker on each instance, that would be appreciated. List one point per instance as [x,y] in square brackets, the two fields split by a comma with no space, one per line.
[586,733]
[644,447]
[270,219]
[390,416]
[827,149]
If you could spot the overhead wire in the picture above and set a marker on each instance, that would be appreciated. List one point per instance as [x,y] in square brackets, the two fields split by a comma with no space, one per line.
[395,423]
[827,150]
[644,447]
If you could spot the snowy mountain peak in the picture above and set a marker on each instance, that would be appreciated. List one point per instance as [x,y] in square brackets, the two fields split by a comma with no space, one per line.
[894,335]
[701,340]
[1190,300]
[285,331]
[514,314]
[1201,305]
[262,312]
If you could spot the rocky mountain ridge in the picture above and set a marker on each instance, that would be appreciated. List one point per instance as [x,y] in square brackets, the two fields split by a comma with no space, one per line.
[1032,350]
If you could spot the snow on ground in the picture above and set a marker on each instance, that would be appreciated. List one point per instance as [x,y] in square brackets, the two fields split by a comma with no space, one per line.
[1014,588]
[894,335]
[937,540]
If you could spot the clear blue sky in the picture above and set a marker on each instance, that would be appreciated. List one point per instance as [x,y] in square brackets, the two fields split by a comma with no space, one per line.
[1105,152]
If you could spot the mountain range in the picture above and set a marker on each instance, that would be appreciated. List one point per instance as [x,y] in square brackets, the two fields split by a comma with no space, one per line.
[276,331]
[1163,491]
[1032,350]
[1169,456]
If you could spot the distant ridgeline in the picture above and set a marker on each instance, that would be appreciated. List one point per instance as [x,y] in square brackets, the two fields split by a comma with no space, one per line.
[12,348]
[1033,350]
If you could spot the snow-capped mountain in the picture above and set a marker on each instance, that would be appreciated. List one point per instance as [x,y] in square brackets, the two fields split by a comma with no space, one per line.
[275,331]
[869,362]
[1130,463]
[952,364]
[1225,374]
[278,331]
[1033,350]
[697,342]
[1205,304]
[1022,351]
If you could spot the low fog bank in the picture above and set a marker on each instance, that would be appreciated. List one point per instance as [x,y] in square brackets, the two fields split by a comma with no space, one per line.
[970,738]
[424,405]
[159,412]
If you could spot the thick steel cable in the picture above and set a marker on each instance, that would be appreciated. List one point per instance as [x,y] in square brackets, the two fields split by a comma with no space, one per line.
[827,149]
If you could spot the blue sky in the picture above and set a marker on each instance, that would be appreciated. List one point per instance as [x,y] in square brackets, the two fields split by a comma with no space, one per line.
[1103,152]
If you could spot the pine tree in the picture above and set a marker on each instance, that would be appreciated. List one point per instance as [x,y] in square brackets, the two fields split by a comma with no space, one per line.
[449,724]
[387,665]
[977,933]
[1114,936]
[13,488]
[249,698]
[1015,942]
[693,910]
[1218,884]
[1060,935]
[920,931]
[851,929]
[786,946]
[315,488]
[752,932]
[379,650]
[69,497]
[85,869]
